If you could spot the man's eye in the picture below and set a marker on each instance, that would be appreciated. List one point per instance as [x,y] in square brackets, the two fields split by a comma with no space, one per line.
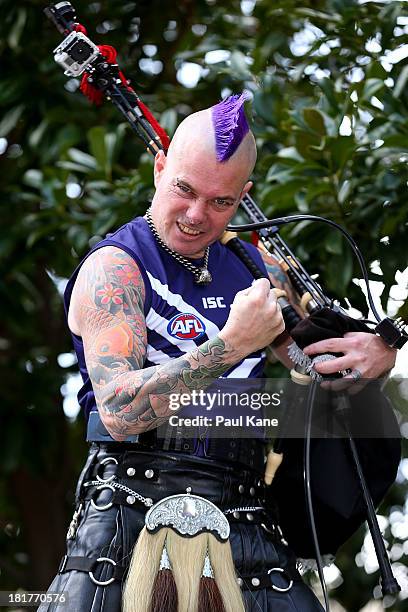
[183,188]
[222,203]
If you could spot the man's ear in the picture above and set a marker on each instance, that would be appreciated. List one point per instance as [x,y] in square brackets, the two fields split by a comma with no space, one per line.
[246,188]
[159,165]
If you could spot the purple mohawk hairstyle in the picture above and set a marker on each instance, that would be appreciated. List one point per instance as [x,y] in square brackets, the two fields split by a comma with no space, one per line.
[230,125]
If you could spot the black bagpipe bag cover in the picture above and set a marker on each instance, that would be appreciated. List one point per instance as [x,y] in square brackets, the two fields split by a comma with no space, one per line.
[336,492]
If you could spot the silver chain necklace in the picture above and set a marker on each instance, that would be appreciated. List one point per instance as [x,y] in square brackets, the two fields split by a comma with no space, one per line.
[201,275]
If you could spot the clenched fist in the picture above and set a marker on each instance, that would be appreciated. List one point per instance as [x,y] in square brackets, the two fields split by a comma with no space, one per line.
[255,319]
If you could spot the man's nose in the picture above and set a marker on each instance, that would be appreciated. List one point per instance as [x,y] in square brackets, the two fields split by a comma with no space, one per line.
[196,211]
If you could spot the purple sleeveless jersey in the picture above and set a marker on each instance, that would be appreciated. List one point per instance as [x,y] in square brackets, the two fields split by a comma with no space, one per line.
[180,315]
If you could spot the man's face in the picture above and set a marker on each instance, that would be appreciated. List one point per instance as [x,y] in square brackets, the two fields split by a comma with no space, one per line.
[195,199]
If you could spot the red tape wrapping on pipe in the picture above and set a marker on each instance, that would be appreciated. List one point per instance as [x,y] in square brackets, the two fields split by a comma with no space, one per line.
[96,95]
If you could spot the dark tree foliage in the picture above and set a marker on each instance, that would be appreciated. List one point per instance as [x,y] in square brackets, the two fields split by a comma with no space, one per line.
[330,113]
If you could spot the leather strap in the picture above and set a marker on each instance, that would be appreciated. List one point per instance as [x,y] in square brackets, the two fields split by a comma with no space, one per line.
[90,460]
[87,564]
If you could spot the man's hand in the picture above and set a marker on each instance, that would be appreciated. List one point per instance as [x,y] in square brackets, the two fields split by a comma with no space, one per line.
[255,319]
[362,351]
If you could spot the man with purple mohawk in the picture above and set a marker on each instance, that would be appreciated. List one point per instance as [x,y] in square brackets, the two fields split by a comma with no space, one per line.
[158,310]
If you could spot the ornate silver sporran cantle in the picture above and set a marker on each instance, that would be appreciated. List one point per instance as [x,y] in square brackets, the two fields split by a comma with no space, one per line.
[188,515]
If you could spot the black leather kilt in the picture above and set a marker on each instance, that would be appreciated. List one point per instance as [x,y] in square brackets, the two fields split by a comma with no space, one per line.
[101,540]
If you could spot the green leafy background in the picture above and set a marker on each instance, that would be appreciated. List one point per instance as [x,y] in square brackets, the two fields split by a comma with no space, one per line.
[330,116]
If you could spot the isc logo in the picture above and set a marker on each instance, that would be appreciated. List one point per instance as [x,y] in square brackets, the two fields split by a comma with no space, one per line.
[213,302]
[186,327]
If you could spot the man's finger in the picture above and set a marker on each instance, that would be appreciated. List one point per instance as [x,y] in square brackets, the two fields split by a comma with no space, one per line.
[261,286]
[333,365]
[331,345]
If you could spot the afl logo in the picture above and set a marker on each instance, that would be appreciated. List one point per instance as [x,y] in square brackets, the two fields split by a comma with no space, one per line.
[186,327]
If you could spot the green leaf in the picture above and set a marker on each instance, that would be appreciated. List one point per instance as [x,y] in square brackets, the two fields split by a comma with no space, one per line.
[266,105]
[14,36]
[290,153]
[318,188]
[318,15]
[397,141]
[371,88]
[315,120]
[84,159]
[97,141]
[67,165]
[376,71]
[278,174]
[401,82]
[281,196]
[344,191]
[78,236]
[342,150]
[309,145]
[339,272]
[328,88]
[239,66]
[272,42]
[38,133]
[33,178]
[334,243]
[102,225]
[10,120]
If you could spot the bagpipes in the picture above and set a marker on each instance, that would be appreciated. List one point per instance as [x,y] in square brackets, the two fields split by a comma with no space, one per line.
[101,79]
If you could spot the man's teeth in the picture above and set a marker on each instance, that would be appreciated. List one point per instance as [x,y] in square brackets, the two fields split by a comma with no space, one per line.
[188,230]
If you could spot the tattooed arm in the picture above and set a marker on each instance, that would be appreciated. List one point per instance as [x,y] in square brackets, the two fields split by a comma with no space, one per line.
[107,311]
[280,280]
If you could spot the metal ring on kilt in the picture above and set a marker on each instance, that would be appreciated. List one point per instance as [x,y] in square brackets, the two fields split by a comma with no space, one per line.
[101,488]
[103,582]
[106,461]
[280,589]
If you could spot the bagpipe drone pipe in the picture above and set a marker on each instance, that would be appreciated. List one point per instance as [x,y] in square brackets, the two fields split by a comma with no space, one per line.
[102,79]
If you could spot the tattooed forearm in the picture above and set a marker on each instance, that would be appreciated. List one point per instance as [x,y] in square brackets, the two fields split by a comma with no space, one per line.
[280,279]
[148,391]
[108,307]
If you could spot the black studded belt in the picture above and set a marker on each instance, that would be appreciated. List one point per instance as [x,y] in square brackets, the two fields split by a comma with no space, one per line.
[249,452]
[126,476]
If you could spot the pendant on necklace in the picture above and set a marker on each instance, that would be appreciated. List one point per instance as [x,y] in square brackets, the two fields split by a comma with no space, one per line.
[204,277]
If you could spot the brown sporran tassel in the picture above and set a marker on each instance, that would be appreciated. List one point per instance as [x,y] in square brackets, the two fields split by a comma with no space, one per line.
[164,596]
[209,597]
[143,570]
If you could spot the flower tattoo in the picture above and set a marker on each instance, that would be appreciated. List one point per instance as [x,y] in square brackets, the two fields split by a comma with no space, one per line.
[127,275]
[110,294]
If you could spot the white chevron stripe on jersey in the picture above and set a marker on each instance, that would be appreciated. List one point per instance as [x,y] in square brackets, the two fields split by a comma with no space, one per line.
[155,356]
[244,369]
[176,300]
